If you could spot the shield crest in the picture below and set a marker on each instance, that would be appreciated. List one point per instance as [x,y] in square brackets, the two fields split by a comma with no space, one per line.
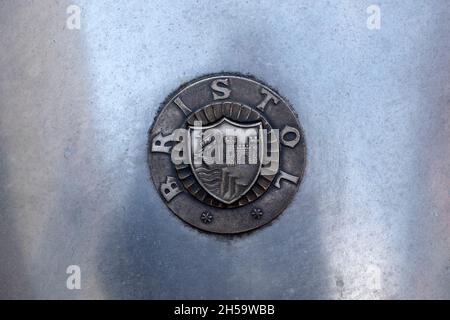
[226,157]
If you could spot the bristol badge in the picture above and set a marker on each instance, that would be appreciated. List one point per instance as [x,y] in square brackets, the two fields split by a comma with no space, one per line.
[226,153]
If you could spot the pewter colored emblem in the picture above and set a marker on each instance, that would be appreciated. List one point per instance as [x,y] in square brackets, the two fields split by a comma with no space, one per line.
[226,153]
[226,181]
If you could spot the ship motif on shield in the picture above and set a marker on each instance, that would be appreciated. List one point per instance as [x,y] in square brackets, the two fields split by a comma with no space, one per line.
[226,157]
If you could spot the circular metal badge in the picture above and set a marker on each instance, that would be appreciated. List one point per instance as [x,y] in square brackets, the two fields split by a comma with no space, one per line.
[226,153]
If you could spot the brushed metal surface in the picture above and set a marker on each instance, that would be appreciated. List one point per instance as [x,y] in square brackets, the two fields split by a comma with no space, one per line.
[372,216]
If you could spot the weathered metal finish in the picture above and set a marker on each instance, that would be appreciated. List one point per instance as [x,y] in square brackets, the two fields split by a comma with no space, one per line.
[237,164]
[370,220]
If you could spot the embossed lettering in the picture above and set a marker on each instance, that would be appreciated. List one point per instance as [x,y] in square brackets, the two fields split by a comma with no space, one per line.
[170,189]
[268,97]
[180,104]
[292,142]
[225,92]
[285,176]
[159,143]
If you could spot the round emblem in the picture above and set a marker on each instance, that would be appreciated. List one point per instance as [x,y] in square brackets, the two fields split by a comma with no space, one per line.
[226,153]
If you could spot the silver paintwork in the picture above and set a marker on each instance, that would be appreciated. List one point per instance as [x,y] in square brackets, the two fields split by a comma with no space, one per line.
[372,216]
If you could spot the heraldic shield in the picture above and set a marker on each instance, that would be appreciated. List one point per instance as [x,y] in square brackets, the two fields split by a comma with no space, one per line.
[226,157]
